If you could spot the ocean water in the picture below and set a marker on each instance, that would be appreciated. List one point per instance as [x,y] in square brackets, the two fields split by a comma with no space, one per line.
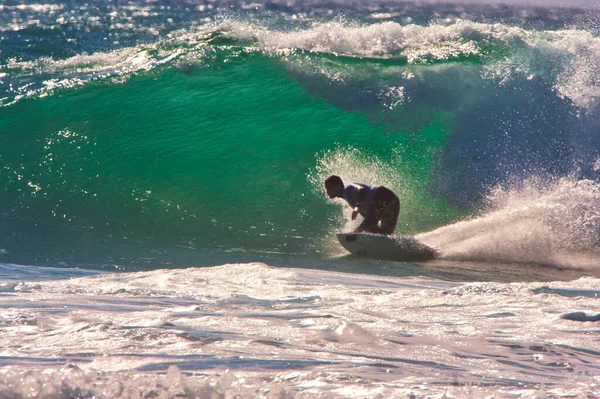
[164,231]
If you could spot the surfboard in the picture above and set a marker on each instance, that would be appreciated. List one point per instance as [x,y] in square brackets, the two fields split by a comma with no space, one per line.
[385,247]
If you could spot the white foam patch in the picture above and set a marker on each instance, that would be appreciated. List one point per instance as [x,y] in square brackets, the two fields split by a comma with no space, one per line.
[580,81]
[255,330]
[385,39]
[567,58]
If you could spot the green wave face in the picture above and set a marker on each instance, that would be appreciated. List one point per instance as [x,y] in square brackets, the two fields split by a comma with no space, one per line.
[223,156]
[220,139]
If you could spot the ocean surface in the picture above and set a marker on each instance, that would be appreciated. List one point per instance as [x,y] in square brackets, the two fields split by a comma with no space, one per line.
[164,231]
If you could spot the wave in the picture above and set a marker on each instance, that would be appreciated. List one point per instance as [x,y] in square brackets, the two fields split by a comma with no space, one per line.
[219,137]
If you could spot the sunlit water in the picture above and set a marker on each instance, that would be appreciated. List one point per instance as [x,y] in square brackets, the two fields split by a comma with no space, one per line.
[164,230]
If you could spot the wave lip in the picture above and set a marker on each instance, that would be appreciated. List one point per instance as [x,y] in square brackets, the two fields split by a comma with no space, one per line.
[567,58]
[389,39]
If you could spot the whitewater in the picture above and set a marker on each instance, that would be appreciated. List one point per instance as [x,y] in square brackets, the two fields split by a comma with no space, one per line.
[260,331]
[164,232]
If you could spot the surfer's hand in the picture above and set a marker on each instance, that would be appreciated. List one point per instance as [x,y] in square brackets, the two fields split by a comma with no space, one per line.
[354,215]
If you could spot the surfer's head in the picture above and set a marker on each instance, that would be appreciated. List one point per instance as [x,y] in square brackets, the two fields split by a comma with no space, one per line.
[334,186]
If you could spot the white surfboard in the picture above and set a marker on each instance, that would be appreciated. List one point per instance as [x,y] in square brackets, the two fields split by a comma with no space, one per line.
[385,247]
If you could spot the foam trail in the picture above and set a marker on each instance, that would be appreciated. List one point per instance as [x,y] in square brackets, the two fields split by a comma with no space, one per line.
[534,222]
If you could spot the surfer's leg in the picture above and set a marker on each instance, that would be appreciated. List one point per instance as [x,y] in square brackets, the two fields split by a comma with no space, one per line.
[374,214]
[388,208]
[390,217]
[382,213]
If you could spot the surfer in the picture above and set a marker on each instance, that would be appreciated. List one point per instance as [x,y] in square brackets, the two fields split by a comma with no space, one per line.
[377,204]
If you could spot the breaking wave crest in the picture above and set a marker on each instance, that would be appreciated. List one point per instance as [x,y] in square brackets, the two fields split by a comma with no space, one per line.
[567,58]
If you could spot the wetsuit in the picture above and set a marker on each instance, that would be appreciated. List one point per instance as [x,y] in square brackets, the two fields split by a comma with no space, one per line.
[377,204]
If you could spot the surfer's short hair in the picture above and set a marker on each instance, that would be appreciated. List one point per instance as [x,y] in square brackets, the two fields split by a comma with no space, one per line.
[333,181]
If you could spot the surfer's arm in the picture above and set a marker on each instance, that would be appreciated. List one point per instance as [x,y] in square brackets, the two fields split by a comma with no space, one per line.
[356,200]
[362,193]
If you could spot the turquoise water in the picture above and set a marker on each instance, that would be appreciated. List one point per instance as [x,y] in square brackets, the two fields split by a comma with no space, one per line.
[174,134]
